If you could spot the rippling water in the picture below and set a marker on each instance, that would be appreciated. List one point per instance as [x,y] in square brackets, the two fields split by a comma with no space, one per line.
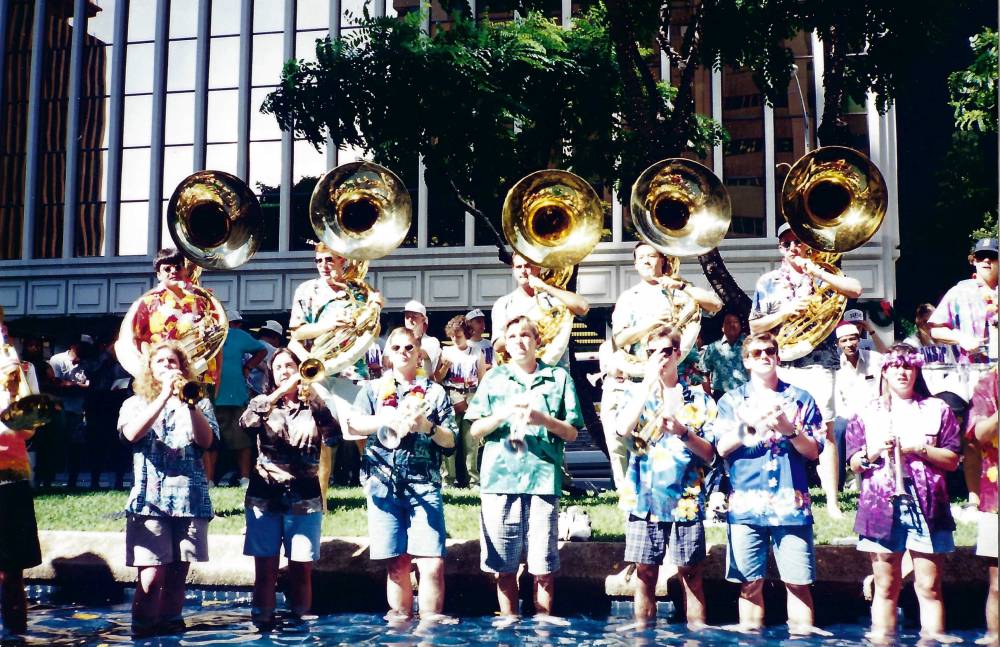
[227,623]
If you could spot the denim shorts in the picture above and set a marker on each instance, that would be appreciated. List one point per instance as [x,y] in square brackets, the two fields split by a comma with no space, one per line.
[267,532]
[746,560]
[511,523]
[909,532]
[407,520]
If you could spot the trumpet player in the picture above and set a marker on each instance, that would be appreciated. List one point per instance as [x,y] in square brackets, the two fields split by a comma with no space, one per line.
[283,506]
[410,425]
[664,487]
[168,509]
[767,432]
[782,295]
[903,445]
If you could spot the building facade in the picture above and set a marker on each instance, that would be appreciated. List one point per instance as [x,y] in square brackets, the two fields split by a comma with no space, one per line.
[108,104]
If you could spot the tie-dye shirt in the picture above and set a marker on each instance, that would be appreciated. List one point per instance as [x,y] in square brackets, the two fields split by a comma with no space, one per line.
[983,405]
[768,475]
[927,420]
[667,483]
[964,308]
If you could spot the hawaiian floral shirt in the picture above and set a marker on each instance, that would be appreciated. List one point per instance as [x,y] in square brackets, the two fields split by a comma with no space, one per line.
[667,483]
[927,420]
[775,290]
[964,308]
[689,369]
[725,363]
[418,458]
[315,301]
[768,475]
[285,479]
[538,468]
[169,476]
[984,405]
[14,463]
[162,315]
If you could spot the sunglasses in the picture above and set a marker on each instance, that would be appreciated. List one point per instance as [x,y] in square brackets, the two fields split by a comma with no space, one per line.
[757,353]
[325,260]
[397,348]
[787,244]
[666,351]
[982,256]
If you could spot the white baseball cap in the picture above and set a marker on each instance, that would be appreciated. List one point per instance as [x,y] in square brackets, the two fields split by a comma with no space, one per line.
[853,316]
[274,327]
[845,329]
[415,306]
[233,315]
[474,314]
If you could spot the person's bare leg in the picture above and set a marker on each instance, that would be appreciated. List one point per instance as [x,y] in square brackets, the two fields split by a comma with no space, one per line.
[545,592]
[299,587]
[993,609]
[829,472]
[172,601]
[399,587]
[507,594]
[887,569]
[694,594]
[927,586]
[148,593]
[265,582]
[800,608]
[645,591]
[13,602]
[751,604]
[972,465]
[431,593]
[326,454]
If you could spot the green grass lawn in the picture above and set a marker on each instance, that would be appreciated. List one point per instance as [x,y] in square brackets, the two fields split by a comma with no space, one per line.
[101,511]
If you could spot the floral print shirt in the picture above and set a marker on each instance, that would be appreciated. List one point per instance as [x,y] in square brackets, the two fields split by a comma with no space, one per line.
[774,291]
[927,420]
[667,483]
[966,308]
[285,479]
[315,301]
[984,405]
[725,363]
[768,475]
[161,315]
[168,473]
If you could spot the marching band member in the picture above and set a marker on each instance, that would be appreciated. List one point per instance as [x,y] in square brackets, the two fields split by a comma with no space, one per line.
[168,509]
[523,300]
[283,506]
[781,295]
[902,445]
[982,426]
[664,491]
[768,431]
[525,412]
[462,366]
[319,306]
[403,483]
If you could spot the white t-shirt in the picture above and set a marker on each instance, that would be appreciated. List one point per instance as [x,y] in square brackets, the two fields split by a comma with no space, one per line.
[464,370]
[64,369]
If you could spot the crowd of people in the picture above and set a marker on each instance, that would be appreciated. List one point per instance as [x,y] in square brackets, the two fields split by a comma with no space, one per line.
[899,418]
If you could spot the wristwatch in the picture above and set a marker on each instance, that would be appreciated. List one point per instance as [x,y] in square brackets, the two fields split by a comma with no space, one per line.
[684,437]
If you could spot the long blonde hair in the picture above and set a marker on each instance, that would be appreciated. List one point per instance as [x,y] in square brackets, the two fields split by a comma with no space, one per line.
[148,387]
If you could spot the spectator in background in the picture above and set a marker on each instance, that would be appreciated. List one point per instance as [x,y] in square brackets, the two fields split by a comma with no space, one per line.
[69,373]
[43,447]
[271,334]
[721,359]
[415,320]
[477,327]
[232,397]
[101,407]
[856,385]
[868,340]
[462,366]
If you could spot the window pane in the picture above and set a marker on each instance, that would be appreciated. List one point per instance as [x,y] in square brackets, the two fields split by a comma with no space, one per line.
[139,69]
[309,165]
[178,163]
[265,164]
[181,65]
[222,108]
[96,69]
[102,26]
[135,174]
[132,232]
[445,217]
[305,44]
[351,11]
[743,161]
[223,62]
[141,20]
[225,17]
[312,14]
[183,18]
[268,57]
[262,126]
[137,124]
[179,127]
[221,157]
[268,16]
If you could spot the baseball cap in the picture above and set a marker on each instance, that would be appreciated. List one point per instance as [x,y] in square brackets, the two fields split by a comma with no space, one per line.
[783,228]
[986,245]
[86,339]
[474,314]
[233,315]
[845,329]
[274,327]
[853,316]
[415,306]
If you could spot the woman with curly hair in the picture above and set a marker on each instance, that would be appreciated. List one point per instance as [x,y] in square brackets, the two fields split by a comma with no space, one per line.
[902,445]
[168,509]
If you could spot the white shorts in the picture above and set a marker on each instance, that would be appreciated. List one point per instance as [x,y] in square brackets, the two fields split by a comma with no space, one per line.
[986,541]
[816,381]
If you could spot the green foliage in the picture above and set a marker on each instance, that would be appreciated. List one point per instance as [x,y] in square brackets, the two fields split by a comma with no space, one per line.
[967,182]
[974,89]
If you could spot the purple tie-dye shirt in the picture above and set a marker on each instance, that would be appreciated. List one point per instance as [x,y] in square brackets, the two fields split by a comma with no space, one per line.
[919,420]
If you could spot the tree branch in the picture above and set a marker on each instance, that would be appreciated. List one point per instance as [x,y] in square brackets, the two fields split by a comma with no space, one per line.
[502,252]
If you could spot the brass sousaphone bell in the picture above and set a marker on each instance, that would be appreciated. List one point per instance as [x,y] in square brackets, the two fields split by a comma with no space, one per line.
[680,208]
[554,219]
[834,199]
[361,211]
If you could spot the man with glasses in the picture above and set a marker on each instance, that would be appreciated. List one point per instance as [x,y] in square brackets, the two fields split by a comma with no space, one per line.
[767,431]
[524,412]
[664,487]
[402,481]
[782,295]
[319,306]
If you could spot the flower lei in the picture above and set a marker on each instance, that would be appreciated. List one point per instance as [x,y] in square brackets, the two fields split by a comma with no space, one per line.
[388,397]
[794,287]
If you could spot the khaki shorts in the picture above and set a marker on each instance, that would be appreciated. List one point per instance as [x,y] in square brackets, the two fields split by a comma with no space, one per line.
[816,381]
[234,437]
[156,541]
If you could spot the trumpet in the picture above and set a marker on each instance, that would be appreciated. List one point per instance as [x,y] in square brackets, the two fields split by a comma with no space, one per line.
[690,415]
[190,392]
[899,492]
[391,438]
